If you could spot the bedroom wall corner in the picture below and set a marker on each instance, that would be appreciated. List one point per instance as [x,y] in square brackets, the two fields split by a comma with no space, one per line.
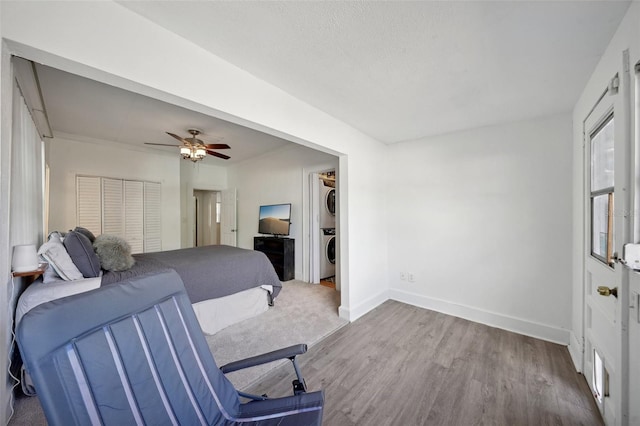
[482,220]
[275,178]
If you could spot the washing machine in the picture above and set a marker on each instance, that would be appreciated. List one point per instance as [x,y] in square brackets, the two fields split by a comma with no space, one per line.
[327,206]
[327,253]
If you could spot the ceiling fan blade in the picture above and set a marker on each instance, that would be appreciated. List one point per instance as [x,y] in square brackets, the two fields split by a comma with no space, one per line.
[217,154]
[179,138]
[160,144]
[217,146]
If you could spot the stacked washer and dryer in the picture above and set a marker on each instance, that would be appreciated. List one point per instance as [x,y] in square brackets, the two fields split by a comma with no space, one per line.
[327,227]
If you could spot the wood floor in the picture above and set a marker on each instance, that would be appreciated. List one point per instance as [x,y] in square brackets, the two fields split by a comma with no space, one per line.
[402,365]
[328,283]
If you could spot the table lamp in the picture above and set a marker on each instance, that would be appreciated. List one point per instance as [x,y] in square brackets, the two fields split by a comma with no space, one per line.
[25,258]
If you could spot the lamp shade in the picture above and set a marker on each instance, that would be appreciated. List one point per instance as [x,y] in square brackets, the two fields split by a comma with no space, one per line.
[25,258]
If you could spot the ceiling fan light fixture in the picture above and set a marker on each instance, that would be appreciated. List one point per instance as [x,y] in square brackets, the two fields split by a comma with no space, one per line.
[193,148]
[185,151]
[200,153]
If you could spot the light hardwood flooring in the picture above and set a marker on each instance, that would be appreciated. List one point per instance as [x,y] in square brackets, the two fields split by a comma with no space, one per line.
[328,283]
[402,365]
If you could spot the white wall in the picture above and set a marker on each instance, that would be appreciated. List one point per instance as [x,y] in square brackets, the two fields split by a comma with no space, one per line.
[68,158]
[276,178]
[482,219]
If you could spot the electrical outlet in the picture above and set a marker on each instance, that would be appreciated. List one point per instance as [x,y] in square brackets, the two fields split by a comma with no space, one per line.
[403,276]
[411,277]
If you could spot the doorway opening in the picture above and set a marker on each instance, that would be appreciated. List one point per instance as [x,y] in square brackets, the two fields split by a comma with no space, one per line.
[323,229]
[207,207]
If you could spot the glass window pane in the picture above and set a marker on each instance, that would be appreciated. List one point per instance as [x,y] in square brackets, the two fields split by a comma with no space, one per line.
[597,379]
[600,225]
[602,157]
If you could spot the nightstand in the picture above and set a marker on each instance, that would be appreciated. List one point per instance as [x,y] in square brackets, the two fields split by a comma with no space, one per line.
[30,276]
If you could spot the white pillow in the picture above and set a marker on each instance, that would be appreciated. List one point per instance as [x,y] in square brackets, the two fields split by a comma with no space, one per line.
[53,251]
[50,275]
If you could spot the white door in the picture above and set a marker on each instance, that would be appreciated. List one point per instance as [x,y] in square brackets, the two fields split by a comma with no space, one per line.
[634,281]
[607,229]
[228,227]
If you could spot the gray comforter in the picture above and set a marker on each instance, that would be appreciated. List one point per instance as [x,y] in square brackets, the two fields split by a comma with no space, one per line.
[208,272]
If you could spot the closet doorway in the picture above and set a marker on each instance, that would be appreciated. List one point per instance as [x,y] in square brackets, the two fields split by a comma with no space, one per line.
[207,217]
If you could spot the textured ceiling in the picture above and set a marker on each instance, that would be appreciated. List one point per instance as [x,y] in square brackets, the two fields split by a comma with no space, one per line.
[404,70]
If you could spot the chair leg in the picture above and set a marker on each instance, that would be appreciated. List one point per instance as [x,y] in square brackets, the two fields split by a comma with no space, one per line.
[299,385]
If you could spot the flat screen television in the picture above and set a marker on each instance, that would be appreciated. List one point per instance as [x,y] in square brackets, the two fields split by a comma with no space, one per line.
[274,219]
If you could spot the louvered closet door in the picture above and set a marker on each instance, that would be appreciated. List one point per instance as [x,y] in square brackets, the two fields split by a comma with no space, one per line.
[134,215]
[89,203]
[112,207]
[152,228]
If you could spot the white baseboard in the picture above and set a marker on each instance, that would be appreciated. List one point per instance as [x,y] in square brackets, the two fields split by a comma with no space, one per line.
[493,319]
[576,352]
[353,313]
[343,312]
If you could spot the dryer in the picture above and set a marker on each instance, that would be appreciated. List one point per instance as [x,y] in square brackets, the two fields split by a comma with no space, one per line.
[327,253]
[327,206]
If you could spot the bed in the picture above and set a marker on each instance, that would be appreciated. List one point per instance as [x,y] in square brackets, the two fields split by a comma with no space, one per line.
[225,284]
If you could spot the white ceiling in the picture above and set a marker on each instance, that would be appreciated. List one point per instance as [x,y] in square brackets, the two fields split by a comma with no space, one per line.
[395,70]
[88,110]
[404,70]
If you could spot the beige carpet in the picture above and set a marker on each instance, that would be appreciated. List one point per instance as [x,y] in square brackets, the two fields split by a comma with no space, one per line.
[303,313]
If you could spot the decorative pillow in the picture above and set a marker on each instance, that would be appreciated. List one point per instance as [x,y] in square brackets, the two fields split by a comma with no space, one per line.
[114,253]
[86,233]
[50,275]
[53,251]
[56,234]
[81,251]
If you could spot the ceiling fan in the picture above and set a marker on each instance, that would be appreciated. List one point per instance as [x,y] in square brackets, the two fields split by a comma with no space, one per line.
[195,149]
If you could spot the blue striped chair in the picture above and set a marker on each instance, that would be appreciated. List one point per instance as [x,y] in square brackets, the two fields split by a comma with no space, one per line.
[133,353]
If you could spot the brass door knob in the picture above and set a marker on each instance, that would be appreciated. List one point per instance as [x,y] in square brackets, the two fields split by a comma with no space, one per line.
[606,291]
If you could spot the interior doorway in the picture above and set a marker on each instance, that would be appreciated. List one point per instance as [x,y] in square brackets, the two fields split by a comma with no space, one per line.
[207,207]
[323,228]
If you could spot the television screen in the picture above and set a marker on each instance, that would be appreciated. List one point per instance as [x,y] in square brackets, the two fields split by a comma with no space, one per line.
[275,219]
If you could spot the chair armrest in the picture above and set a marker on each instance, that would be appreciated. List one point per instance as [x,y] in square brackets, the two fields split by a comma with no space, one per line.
[291,352]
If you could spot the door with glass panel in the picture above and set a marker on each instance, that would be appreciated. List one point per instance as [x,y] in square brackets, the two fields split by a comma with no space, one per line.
[607,229]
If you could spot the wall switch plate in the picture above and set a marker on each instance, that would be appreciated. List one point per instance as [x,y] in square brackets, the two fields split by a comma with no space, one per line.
[403,276]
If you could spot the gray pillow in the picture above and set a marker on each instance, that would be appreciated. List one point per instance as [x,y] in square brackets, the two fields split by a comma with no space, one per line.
[86,233]
[53,251]
[81,251]
[114,253]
